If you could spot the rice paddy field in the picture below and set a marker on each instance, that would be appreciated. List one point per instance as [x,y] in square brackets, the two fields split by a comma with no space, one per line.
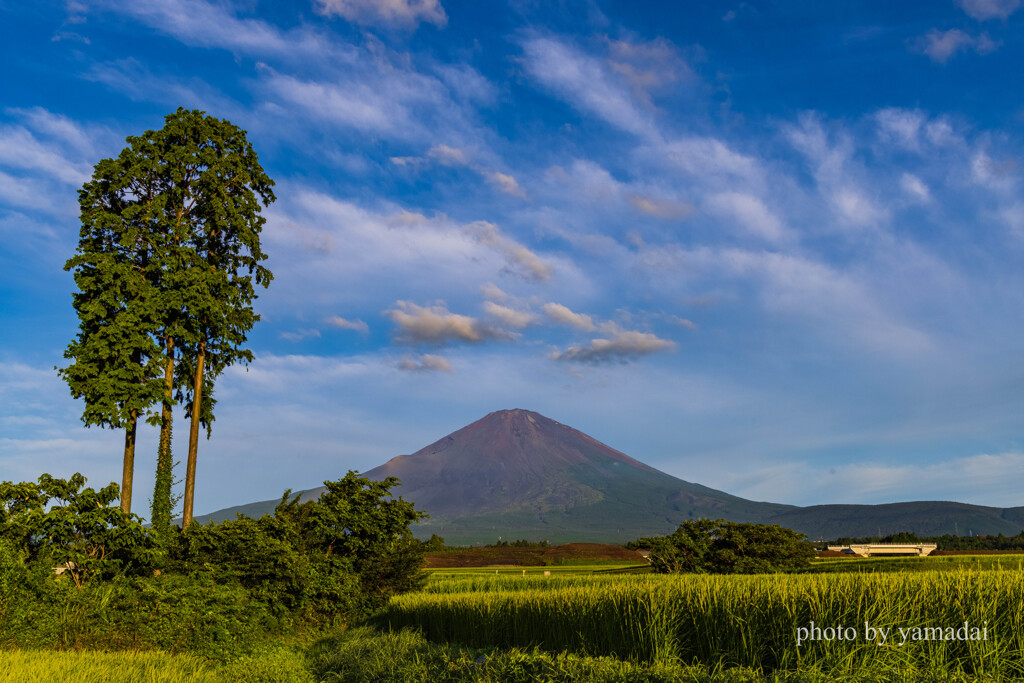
[960,616]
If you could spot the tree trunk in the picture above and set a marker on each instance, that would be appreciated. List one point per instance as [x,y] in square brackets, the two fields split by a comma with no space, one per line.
[161,519]
[128,472]
[193,435]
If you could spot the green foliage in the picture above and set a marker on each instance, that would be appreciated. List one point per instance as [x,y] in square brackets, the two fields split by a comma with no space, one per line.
[80,533]
[722,547]
[326,560]
[168,256]
[736,620]
[434,544]
[357,528]
[19,666]
[519,543]
[255,553]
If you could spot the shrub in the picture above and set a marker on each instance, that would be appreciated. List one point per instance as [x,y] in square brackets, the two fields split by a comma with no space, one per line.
[722,547]
[82,533]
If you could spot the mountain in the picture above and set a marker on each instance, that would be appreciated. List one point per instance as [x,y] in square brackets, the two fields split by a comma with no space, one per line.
[517,474]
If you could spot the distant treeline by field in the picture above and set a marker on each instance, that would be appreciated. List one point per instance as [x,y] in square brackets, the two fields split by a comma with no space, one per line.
[944,542]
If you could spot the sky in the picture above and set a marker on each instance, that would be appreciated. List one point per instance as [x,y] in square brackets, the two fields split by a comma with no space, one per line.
[770,247]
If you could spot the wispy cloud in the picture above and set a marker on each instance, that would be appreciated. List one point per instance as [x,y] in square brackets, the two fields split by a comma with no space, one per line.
[425,363]
[343,324]
[941,46]
[563,315]
[299,335]
[585,82]
[989,9]
[205,24]
[750,212]
[437,325]
[403,13]
[509,317]
[620,346]
[521,259]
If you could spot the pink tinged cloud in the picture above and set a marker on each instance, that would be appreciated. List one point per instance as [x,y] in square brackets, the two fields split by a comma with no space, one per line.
[343,324]
[437,325]
[563,315]
[425,363]
[621,346]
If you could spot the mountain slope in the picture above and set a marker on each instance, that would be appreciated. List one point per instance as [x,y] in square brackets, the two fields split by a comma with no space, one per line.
[518,474]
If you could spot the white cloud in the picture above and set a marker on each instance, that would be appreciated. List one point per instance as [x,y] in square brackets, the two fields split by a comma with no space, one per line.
[509,317]
[647,67]
[584,82]
[364,106]
[425,363]
[989,9]
[135,80]
[660,208]
[203,24]
[1013,216]
[299,335]
[505,183]
[841,305]
[900,126]
[448,156]
[704,156]
[342,323]
[526,262]
[493,292]
[992,174]
[621,346]
[386,12]
[437,325]
[756,218]
[840,179]
[853,206]
[561,314]
[940,46]
[22,150]
[915,187]
[360,258]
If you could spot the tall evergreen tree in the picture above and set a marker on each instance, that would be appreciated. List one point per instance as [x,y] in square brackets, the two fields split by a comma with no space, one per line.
[191,192]
[115,358]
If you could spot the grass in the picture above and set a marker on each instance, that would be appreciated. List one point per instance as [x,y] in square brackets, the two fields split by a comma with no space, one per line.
[585,623]
[732,621]
[46,666]
[271,665]
[917,564]
[555,570]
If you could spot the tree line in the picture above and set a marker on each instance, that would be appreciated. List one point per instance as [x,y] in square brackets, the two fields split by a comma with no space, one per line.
[166,269]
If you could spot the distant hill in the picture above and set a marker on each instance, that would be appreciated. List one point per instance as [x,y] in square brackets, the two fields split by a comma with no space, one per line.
[518,474]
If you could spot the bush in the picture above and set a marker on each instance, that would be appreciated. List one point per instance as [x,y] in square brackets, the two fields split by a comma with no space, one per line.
[721,547]
[82,533]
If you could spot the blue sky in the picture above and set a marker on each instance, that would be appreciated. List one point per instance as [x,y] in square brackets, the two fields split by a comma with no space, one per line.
[771,247]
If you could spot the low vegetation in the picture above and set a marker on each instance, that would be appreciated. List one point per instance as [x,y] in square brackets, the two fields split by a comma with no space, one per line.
[736,621]
[77,572]
[723,547]
[333,590]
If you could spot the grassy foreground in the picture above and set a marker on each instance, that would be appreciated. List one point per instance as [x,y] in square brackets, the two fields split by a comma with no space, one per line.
[365,655]
[740,621]
[622,628]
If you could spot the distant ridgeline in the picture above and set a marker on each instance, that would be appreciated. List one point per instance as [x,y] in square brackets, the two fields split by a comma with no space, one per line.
[518,474]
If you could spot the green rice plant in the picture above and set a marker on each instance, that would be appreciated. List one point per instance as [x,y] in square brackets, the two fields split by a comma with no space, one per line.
[46,666]
[740,621]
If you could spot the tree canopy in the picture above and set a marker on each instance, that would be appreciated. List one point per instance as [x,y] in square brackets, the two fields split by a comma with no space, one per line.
[723,547]
[167,266]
